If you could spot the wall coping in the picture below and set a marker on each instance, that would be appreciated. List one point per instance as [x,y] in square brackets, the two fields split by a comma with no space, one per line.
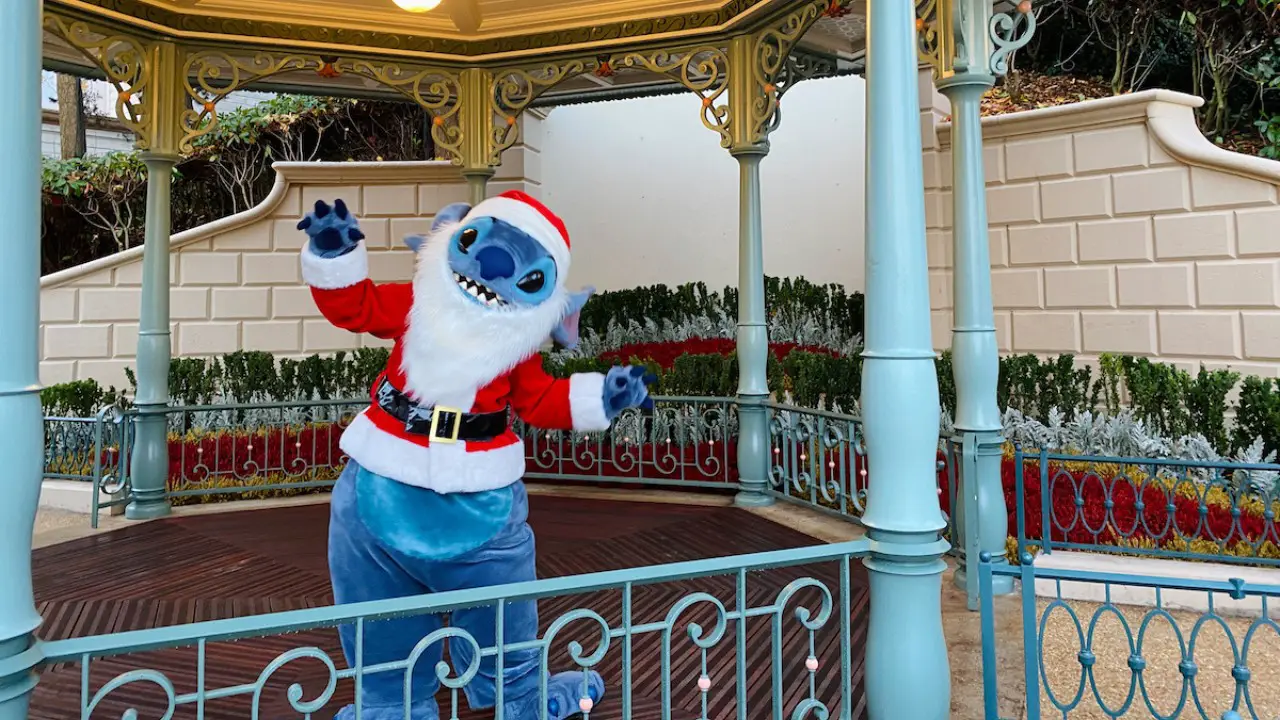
[1169,115]
[288,175]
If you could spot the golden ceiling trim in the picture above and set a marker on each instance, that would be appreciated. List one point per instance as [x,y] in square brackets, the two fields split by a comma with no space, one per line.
[298,36]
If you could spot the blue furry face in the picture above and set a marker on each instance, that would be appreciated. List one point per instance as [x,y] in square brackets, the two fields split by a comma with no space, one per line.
[498,265]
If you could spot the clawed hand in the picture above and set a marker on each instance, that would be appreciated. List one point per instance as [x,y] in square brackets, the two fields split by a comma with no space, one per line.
[333,231]
[627,387]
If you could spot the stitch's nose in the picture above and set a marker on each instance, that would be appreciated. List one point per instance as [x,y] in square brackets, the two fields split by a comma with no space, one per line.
[495,263]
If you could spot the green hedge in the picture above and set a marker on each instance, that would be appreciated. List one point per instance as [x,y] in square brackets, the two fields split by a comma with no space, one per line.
[789,299]
[1165,398]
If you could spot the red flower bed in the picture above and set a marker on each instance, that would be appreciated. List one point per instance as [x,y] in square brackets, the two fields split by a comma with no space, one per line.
[1096,507]
[665,353]
[288,451]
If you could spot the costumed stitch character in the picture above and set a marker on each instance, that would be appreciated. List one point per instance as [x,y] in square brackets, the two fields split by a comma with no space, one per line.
[432,499]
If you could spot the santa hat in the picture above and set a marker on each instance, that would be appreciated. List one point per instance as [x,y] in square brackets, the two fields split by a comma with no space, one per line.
[527,213]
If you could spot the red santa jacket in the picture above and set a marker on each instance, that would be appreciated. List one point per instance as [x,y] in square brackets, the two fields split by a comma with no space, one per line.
[350,300]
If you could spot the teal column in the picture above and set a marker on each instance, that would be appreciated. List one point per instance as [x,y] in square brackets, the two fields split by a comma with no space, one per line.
[753,336]
[975,356]
[908,675]
[21,427]
[149,465]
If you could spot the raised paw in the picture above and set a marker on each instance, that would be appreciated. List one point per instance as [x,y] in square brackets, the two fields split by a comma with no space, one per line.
[571,693]
[627,387]
[333,230]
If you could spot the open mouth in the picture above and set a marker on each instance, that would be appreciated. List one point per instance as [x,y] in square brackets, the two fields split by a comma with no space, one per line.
[480,292]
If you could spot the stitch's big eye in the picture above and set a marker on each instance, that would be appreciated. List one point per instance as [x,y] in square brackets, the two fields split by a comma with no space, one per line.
[467,239]
[532,282]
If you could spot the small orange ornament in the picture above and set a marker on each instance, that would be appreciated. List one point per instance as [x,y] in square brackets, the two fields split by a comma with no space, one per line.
[919,24]
[208,107]
[437,121]
[706,102]
[126,95]
[511,120]
[770,88]
[328,67]
[1024,7]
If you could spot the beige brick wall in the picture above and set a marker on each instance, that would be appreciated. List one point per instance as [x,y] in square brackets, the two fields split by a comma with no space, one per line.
[1116,227]
[236,282]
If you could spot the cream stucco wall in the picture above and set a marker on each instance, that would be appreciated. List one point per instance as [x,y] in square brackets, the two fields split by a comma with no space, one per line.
[236,282]
[1116,227]
[650,196]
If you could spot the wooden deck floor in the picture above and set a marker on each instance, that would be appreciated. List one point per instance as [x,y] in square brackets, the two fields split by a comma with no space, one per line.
[234,564]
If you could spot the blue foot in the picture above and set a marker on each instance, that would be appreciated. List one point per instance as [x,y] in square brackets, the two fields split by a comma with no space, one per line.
[565,693]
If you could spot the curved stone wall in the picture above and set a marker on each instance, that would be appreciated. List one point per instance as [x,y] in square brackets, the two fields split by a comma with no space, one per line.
[1117,227]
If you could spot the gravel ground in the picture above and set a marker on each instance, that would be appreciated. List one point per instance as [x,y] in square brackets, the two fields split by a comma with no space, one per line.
[1214,656]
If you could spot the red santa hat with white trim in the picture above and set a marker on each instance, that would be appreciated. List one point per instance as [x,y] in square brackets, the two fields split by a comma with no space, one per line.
[530,215]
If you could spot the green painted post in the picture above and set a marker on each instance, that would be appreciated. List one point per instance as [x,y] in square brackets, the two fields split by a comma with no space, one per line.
[149,465]
[907,672]
[477,184]
[975,355]
[21,427]
[753,336]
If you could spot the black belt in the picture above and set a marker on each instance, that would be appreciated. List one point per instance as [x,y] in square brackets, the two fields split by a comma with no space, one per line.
[440,424]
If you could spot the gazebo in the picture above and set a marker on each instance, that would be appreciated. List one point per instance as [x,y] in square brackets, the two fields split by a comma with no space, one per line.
[475,66]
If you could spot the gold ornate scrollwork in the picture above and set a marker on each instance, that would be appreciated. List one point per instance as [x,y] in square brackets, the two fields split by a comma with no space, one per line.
[123,60]
[703,70]
[514,89]
[212,75]
[935,35]
[775,70]
[436,90]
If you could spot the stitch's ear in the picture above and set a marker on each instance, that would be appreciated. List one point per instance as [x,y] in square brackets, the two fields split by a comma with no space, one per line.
[414,242]
[566,333]
[450,214]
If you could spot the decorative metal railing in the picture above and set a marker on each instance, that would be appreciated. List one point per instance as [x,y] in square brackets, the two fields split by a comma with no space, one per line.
[92,450]
[817,459]
[1179,509]
[1102,658]
[688,442]
[641,626]
[251,450]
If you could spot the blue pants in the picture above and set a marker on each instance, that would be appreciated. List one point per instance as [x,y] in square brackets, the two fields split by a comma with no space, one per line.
[374,563]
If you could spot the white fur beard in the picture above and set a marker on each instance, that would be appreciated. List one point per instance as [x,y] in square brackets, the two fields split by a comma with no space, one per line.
[454,346]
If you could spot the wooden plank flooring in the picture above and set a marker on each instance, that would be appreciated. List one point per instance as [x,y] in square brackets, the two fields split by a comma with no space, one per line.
[235,564]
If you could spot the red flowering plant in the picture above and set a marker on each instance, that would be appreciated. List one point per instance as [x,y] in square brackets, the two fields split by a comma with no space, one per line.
[1115,508]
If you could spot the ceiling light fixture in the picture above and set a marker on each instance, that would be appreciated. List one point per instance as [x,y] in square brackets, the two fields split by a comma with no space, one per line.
[417,6]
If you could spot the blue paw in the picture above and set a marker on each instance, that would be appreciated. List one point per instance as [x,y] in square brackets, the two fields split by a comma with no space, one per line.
[627,387]
[333,231]
[564,693]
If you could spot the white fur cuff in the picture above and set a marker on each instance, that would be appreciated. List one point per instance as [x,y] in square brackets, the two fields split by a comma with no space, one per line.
[335,273]
[586,402]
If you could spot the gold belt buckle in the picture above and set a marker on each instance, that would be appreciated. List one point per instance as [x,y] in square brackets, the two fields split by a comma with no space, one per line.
[436,414]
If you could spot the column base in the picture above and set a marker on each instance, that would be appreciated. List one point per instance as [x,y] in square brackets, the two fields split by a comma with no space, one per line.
[1000,584]
[752,499]
[147,509]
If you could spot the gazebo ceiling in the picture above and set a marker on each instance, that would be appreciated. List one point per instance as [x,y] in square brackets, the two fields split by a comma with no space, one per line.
[458,30]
